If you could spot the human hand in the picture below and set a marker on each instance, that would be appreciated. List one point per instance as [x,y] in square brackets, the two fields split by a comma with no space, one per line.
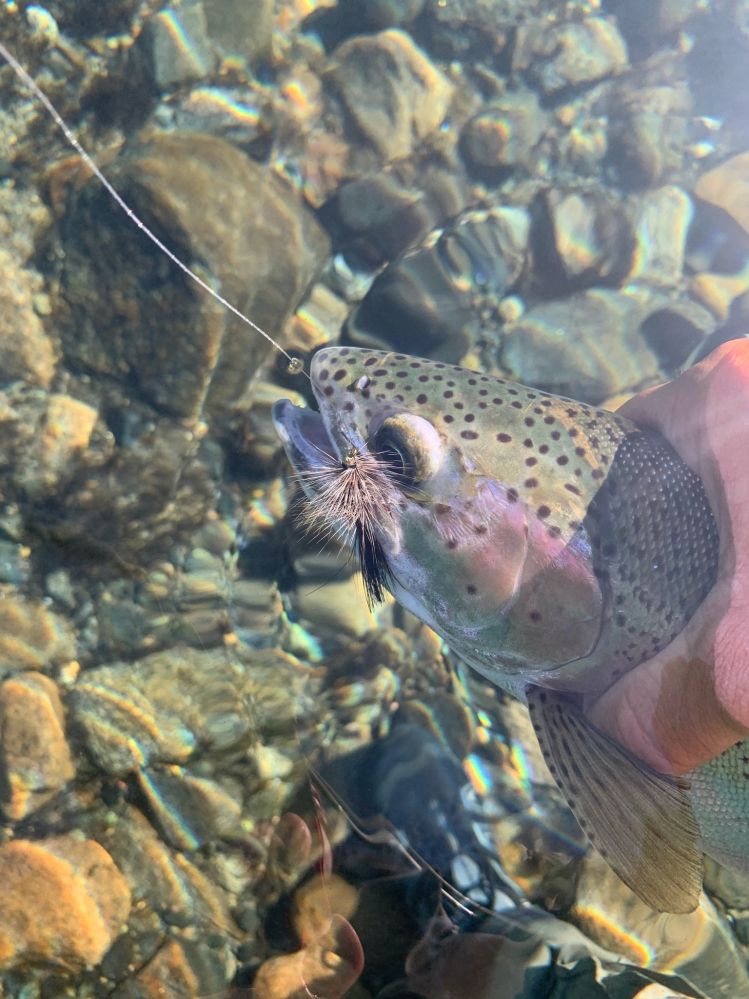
[691,701]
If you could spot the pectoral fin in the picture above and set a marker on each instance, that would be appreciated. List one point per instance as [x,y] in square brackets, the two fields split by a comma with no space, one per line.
[640,821]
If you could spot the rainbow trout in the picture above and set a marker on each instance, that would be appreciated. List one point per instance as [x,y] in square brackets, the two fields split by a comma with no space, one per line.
[552,544]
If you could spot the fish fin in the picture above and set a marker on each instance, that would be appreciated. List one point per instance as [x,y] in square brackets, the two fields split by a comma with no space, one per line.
[640,821]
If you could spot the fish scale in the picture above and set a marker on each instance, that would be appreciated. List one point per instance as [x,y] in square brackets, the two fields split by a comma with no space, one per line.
[553,545]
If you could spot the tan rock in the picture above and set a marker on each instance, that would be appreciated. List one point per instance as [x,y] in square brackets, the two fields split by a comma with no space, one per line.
[327,967]
[396,96]
[35,760]
[167,974]
[67,429]
[727,186]
[26,352]
[64,902]
[31,636]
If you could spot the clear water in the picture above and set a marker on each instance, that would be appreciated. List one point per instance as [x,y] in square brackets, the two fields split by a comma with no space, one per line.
[221,773]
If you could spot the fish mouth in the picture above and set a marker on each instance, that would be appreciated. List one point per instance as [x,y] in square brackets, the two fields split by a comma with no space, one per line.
[304,435]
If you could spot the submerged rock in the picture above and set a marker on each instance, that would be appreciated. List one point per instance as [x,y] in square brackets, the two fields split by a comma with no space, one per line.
[586,346]
[590,239]
[504,133]
[64,902]
[394,95]
[175,47]
[35,760]
[431,300]
[32,637]
[126,312]
[26,351]
[727,186]
[559,56]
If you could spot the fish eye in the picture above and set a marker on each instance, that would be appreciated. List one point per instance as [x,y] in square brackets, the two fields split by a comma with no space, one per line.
[409,447]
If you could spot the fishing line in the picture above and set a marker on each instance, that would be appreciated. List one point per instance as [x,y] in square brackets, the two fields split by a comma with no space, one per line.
[295,365]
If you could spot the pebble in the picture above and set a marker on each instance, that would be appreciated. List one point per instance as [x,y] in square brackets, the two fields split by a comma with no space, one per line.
[241,27]
[586,346]
[394,95]
[727,186]
[64,902]
[35,761]
[27,352]
[175,47]
[481,965]
[190,811]
[563,55]
[32,636]
[591,235]
[328,966]
[505,132]
[661,224]
[432,301]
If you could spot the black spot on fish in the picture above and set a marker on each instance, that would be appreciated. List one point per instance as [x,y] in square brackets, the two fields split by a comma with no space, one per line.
[512,495]
[543,512]
[339,375]
[504,438]
[421,399]
[562,459]
[530,483]
[469,435]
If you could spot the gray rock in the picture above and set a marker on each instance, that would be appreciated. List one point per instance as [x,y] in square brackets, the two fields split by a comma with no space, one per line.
[391,91]
[504,133]
[175,45]
[388,13]
[426,302]
[662,220]
[648,117]
[586,346]
[591,240]
[241,27]
[128,314]
[569,55]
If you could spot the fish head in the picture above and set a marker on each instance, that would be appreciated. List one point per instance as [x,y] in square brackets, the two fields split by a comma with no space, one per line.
[450,486]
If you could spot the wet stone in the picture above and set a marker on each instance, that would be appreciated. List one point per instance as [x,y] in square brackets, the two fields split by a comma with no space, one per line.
[162,882]
[161,708]
[569,55]
[661,224]
[190,811]
[175,46]
[147,322]
[394,95]
[26,351]
[430,301]
[241,27]
[590,234]
[35,761]
[32,637]
[727,187]
[139,499]
[43,438]
[587,346]
[698,945]
[648,115]
[504,133]
[64,902]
